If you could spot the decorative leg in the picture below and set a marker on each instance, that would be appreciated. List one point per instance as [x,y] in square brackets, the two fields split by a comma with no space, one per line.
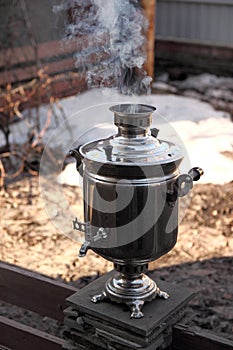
[162,294]
[135,307]
[98,297]
[133,290]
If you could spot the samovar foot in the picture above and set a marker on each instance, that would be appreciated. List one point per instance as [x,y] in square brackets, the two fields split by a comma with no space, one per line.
[133,289]
[162,294]
[135,307]
[98,297]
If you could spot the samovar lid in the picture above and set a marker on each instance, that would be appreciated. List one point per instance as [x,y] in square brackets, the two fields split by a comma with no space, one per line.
[135,142]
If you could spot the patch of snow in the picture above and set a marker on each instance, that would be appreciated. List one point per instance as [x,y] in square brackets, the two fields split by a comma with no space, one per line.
[70,176]
[160,86]
[204,81]
[164,77]
[204,131]
[225,95]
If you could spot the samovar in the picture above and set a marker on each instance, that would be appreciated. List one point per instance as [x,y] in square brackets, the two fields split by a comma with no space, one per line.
[131,186]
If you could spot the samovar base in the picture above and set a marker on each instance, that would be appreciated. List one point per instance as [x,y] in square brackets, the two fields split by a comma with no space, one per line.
[132,289]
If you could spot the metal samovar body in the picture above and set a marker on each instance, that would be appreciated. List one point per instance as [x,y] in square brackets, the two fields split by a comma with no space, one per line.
[131,186]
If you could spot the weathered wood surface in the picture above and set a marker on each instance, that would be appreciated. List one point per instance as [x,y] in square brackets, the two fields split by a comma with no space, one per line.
[149,10]
[110,323]
[192,56]
[47,297]
[21,64]
[27,73]
[25,54]
[16,336]
[155,313]
[185,338]
[33,291]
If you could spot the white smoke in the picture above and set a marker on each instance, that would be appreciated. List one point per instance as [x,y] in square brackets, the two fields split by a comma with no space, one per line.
[109,34]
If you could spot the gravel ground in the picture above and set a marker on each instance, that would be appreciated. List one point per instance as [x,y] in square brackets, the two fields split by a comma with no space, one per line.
[211,280]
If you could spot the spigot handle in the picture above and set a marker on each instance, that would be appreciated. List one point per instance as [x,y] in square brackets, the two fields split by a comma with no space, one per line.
[90,237]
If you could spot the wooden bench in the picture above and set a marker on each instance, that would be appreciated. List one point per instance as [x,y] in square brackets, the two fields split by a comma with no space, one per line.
[46,297]
[36,293]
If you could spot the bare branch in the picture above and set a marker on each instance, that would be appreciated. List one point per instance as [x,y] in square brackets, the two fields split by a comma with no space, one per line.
[2,175]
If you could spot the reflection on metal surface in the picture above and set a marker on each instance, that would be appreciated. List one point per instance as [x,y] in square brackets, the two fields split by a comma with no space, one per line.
[131,187]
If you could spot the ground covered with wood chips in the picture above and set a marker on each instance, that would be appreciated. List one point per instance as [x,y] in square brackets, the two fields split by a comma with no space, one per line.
[201,260]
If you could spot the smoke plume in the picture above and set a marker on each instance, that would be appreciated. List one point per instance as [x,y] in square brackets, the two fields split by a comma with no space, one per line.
[109,34]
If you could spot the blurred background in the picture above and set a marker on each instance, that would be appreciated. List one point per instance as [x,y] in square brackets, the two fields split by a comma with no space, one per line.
[190,58]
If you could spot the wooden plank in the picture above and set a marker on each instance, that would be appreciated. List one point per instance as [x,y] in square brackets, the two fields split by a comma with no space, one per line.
[27,73]
[33,291]
[17,336]
[11,58]
[149,10]
[193,57]
[4,347]
[21,55]
[181,46]
[62,85]
[64,88]
[185,338]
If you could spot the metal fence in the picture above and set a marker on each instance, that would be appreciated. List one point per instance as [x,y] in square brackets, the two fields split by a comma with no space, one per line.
[199,21]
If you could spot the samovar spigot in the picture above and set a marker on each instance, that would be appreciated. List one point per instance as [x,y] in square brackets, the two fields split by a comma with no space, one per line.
[90,236]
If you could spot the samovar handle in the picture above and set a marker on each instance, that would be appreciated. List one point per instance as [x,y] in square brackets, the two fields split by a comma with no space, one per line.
[183,184]
[76,154]
[196,173]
